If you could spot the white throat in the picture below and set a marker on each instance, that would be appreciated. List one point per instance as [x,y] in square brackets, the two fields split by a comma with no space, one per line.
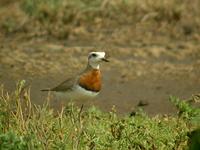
[94,65]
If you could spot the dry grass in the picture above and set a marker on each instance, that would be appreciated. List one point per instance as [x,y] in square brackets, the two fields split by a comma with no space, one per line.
[64,19]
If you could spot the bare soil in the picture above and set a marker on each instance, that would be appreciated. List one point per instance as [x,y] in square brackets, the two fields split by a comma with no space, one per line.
[145,72]
[149,60]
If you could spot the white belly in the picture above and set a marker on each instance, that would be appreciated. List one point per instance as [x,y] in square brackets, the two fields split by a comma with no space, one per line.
[78,93]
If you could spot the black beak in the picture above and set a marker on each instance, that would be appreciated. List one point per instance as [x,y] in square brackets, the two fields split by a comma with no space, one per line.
[105,59]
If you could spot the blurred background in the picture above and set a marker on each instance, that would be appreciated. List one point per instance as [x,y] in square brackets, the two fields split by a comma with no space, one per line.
[153,45]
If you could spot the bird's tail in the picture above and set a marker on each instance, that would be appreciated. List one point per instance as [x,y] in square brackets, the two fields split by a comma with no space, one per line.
[45,90]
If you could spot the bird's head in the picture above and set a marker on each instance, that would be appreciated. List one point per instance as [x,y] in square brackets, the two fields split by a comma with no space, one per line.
[95,58]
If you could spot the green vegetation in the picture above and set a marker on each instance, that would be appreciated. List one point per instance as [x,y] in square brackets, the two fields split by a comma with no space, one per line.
[27,126]
[24,125]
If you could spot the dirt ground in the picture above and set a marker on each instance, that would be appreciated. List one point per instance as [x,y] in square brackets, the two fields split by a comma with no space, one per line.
[145,72]
[149,60]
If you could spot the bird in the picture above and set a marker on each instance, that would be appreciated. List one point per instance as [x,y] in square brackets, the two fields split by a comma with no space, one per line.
[85,85]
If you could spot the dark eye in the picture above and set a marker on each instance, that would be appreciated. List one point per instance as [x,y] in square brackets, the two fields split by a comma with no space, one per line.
[94,55]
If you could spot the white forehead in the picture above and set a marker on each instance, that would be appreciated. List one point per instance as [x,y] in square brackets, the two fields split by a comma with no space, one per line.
[101,54]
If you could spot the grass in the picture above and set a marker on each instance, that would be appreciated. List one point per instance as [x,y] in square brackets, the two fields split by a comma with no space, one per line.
[28,126]
[163,10]
[24,125]
[59,18]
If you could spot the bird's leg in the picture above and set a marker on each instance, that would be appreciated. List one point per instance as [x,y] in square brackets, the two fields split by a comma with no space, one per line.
[79,114]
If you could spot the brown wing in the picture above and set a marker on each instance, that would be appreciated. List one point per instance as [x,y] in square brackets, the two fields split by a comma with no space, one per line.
[65,86]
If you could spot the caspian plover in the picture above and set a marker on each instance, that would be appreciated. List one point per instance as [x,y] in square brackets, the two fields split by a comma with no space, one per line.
[85,85]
